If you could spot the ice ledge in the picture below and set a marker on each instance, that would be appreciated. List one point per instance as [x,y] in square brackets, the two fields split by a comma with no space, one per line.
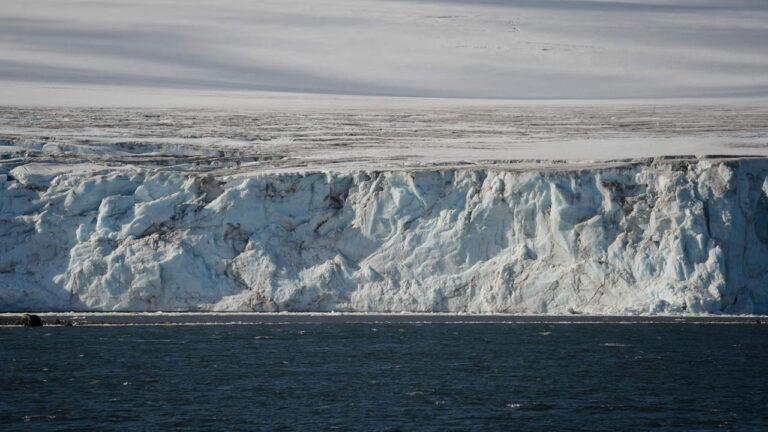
[247,318]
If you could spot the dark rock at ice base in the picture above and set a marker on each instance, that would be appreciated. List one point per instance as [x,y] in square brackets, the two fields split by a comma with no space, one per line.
[30,320]
[66,323]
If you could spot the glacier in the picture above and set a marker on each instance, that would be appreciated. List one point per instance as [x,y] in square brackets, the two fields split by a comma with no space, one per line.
[642,236]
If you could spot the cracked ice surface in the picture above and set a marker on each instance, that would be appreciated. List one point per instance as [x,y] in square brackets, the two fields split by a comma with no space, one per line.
[447,134]
[108,210]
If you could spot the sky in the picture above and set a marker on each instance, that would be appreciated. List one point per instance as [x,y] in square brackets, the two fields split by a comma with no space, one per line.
[526,49]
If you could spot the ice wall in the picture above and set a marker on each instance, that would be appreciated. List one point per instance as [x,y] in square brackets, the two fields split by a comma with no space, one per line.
[650,236]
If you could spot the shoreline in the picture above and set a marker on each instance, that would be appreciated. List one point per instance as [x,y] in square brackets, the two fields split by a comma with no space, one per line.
[265,318]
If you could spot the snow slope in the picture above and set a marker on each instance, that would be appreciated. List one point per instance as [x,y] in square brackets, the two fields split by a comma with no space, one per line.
[451,48]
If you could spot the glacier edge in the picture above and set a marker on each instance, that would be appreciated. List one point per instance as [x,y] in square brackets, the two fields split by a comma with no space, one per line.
[648,236]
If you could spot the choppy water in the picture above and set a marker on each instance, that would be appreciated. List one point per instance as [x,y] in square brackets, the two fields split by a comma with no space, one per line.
[386,377]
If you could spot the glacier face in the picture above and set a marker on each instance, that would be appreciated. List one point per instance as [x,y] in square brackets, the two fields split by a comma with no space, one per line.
[645,236]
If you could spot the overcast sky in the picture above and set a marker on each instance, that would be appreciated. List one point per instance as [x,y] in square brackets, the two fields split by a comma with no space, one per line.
[485,49]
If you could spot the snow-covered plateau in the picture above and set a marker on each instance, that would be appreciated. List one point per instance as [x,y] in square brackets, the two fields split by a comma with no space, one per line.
[116,210]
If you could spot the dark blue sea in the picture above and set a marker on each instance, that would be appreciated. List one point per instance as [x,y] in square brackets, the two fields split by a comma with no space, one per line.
[386,377]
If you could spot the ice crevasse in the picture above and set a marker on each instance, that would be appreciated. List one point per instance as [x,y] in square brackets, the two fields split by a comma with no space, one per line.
[648,236]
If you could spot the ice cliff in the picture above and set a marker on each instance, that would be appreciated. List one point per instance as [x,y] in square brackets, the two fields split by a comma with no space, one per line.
[645,236]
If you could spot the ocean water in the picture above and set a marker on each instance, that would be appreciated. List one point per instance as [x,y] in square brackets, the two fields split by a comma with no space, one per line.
[386,377]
